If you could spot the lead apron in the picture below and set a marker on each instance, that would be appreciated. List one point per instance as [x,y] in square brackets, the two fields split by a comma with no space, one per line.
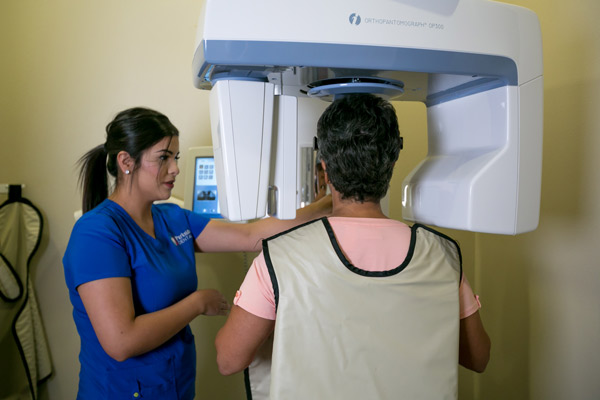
[25,355]
[346,333]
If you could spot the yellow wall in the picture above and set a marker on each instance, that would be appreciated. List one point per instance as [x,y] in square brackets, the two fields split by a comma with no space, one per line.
[68,66]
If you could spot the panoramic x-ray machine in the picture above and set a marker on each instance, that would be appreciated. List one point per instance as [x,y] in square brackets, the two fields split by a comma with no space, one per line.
[476,64]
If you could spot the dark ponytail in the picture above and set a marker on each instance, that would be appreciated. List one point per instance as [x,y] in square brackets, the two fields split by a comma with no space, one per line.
[133,130]
[93,178]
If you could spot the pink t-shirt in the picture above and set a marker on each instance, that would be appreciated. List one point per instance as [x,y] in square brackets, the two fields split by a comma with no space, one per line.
[371,244]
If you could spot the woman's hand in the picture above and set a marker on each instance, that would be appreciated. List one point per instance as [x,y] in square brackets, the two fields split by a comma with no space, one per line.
[212,302]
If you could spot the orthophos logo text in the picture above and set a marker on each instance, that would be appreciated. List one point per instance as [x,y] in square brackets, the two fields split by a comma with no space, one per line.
[354,19]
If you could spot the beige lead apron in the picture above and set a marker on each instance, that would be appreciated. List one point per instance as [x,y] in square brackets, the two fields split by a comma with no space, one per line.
[25,357]
[345,333]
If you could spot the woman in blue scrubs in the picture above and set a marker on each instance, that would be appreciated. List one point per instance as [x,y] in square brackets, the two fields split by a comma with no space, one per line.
[130,265]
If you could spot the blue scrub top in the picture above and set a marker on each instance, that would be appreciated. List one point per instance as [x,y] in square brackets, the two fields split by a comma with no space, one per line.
[106,242]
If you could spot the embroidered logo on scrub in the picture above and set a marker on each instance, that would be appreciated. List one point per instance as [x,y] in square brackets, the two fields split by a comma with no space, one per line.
[180,239]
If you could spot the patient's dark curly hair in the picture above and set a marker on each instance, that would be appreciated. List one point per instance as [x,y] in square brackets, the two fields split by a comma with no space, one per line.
[359,140]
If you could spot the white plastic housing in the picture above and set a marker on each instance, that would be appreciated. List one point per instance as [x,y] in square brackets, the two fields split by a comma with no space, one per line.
[282,202]
[483,167]
[241,125]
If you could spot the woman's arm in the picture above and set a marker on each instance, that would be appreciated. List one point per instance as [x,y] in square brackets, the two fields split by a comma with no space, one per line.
[220,236]
[474,344]
[109,305]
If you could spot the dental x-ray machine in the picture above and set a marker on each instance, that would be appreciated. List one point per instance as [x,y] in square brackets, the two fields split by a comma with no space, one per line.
[476,64]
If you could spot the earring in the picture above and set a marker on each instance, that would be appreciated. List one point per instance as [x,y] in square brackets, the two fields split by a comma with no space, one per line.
[126,172]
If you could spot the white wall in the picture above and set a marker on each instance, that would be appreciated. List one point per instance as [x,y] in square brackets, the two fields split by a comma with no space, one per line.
[68,66]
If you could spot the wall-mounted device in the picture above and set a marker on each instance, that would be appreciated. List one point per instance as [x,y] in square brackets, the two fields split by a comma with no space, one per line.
[201,193]
[476,64]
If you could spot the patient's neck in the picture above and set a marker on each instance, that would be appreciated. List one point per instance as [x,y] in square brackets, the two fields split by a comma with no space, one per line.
[355,209]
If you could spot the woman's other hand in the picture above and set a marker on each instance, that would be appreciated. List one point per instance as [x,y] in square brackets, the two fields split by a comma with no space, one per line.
[212,302]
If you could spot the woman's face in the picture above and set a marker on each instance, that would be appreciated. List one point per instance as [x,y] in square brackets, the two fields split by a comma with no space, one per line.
[158,169]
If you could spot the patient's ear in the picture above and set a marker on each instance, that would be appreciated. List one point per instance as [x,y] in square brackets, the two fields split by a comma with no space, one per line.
[323,165]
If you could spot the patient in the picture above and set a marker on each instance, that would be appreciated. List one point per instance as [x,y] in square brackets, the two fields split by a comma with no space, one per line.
[359,306]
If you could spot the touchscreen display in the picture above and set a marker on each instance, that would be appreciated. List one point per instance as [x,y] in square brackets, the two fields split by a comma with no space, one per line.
[206,200]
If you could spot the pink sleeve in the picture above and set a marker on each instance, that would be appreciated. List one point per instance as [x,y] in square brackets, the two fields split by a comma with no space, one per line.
[256,293]
[469,301]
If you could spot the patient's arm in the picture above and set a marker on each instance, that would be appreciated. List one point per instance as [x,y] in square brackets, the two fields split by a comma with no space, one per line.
[474,344]
[239,339]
